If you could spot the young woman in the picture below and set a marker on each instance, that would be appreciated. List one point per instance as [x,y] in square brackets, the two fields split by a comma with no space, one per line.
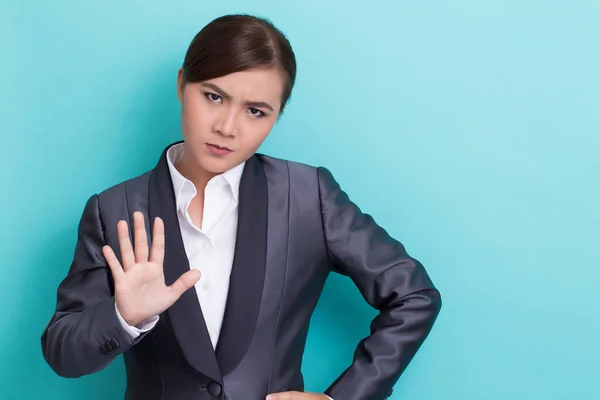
[205,271]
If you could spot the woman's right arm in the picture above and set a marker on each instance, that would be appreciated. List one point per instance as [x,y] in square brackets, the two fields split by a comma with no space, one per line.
[86,333]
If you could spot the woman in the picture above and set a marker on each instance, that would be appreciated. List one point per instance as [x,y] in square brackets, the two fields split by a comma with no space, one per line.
[213,300]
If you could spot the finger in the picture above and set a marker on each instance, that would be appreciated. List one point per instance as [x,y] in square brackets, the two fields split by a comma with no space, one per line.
[139,238]
[185,282]
[113,263]
[284,396]
[125,243]
[157,252]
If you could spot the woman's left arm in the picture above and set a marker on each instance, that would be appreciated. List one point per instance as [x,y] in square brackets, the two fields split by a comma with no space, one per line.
[390,280]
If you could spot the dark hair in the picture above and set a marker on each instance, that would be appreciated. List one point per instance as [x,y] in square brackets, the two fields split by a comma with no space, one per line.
[239,42]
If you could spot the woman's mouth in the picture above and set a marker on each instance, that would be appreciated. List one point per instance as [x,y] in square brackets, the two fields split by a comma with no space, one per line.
[218,150]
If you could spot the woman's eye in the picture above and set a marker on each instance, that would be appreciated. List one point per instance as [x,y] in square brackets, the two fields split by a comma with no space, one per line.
[256,112]
[213,97]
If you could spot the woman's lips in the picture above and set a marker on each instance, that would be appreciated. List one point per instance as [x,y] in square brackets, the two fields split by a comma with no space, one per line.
[218,150]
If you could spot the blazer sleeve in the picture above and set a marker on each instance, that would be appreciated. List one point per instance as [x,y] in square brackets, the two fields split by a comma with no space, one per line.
[390,280]
[84,335]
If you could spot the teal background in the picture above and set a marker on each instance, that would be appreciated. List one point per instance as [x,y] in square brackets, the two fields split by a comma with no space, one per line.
[469,129]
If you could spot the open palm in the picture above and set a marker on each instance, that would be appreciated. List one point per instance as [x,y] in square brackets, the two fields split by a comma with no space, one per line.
[140,289]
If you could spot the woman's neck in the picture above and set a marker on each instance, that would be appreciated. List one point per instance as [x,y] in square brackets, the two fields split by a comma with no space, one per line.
[196,174]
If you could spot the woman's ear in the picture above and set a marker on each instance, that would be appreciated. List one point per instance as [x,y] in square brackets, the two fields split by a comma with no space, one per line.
[180,85]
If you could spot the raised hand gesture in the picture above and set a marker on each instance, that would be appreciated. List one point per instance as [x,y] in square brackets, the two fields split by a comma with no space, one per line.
[140,289]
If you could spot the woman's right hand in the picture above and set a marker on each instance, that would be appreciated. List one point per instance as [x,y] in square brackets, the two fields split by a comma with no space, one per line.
[140,289]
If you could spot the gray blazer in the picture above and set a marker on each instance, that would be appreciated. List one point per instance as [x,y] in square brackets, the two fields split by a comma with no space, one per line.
[295,226]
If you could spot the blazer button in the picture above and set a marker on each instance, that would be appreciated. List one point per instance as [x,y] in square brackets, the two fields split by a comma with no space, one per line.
[103,349]
[106,348]
[115,344]
[389,393]
[214,388]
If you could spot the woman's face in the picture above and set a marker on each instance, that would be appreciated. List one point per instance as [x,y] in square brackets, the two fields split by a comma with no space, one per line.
[225,120]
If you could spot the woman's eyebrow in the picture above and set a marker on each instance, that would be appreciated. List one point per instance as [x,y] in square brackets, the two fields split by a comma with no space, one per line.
[259,104]
[226,96]
[217,89]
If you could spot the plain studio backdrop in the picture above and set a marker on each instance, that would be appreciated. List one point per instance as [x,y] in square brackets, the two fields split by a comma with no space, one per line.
[468,129]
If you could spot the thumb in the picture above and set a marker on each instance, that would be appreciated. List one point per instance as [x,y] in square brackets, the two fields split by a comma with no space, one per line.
[185,282]
[282,396]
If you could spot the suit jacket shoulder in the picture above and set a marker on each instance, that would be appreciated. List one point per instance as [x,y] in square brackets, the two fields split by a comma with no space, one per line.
[284,163]
[124,190]
[297,172]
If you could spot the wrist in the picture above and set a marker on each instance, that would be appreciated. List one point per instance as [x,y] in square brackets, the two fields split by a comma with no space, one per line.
[131,320]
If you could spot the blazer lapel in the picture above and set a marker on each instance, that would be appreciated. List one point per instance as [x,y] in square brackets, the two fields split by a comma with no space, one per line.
[185,315]
[248,269]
